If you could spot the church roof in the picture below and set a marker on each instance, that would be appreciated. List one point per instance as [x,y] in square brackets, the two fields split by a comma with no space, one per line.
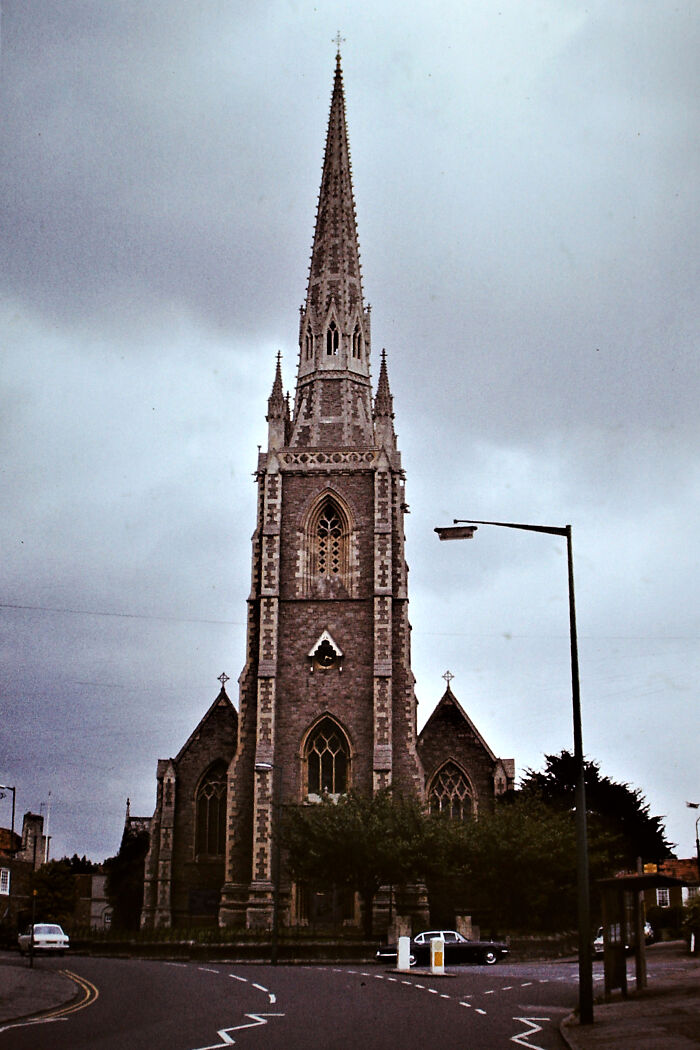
[222,700]
[447,707]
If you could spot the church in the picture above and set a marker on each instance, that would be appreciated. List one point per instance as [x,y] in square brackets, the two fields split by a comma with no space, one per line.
[326,695]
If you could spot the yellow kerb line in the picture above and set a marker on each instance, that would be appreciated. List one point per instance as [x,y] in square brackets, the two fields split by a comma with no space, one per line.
[91,993]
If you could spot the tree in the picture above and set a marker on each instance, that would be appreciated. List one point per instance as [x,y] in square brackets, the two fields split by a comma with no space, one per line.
[125,872]
[617,813]
[360,842]
[83,866]
[56,892]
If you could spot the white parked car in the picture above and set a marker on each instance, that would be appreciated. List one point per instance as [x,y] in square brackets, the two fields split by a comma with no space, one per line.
[47,938]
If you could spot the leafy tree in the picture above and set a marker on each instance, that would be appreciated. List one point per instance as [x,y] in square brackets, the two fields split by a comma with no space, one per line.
[125,872]
[83,866]
[56,892]
[360,842]
[616,812]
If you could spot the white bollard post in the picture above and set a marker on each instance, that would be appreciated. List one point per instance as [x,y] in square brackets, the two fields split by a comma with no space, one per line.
[437,955]
[403,961]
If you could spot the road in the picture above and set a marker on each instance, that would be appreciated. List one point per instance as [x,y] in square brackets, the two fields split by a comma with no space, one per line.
[132,1004]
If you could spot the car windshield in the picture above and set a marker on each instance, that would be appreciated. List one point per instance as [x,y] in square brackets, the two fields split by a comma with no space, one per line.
[47,929]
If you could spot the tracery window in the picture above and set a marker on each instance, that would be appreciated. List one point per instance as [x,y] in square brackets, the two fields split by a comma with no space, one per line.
[211,812]
[451,794]
[332,339]
[309,344]
[327,548]
[329,534]
[327,760]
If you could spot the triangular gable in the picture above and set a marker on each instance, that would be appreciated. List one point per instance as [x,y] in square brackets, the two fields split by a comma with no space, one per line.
[450,700]
[325,637]
[222,700]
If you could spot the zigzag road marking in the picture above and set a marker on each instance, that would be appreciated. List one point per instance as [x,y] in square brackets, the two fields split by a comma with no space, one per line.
[224,1033]
[533,1029]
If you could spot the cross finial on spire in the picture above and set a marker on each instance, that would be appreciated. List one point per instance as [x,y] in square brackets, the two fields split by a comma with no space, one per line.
[223,678]
[338,40]
[448,676]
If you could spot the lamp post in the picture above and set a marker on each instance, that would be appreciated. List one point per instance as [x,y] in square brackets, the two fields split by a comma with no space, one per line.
[462,529]
[270,767]
[3,788]
[9,787]
[696,805]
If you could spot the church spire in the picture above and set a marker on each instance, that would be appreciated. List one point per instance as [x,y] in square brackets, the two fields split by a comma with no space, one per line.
[333,396]
[334,276]
[384,409]
[277,410]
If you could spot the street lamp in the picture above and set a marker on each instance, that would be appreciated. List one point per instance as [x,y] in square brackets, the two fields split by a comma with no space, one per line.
[461,529]
[270,767]
[8,787]
[696,805]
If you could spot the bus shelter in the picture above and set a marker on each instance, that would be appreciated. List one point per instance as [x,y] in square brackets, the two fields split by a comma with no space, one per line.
[623,927]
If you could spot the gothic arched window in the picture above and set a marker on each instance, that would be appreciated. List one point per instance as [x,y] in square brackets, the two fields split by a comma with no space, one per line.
[326,759]
[332,339]
[329,541]
[309,344]
[327,548]
[211,812]
[357,342]
[450,793]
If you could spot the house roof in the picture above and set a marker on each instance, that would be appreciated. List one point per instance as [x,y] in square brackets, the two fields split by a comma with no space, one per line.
[647,881]
[685,869]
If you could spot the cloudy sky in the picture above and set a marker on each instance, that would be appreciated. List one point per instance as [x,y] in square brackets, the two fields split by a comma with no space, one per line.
[526,177]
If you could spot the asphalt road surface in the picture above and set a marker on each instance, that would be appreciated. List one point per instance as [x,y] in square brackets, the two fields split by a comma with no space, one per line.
[136,1004]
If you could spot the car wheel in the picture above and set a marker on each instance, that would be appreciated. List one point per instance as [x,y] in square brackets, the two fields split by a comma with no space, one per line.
[490,958]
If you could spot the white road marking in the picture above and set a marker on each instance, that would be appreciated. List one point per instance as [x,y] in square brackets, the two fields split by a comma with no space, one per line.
[532,1030]
[205,969]
[261,987]
[237,978]
[223,1033]
[482,1012]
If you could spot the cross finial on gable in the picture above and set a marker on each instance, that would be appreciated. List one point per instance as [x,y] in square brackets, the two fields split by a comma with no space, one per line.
[448,676]
[223,678]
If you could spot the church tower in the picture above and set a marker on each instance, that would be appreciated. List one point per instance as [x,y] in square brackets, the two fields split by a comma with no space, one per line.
[326,695]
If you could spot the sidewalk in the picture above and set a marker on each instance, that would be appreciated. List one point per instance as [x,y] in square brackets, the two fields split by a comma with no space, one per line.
[26,991]
[664,1016]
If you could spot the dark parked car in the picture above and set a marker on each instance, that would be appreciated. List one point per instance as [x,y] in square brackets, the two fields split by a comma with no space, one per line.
[457,949]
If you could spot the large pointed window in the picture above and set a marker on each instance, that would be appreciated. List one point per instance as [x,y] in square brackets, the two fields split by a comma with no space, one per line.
[211,812]
[309,344]
[327,544]
[329,538]
[327,760]
[450,793]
